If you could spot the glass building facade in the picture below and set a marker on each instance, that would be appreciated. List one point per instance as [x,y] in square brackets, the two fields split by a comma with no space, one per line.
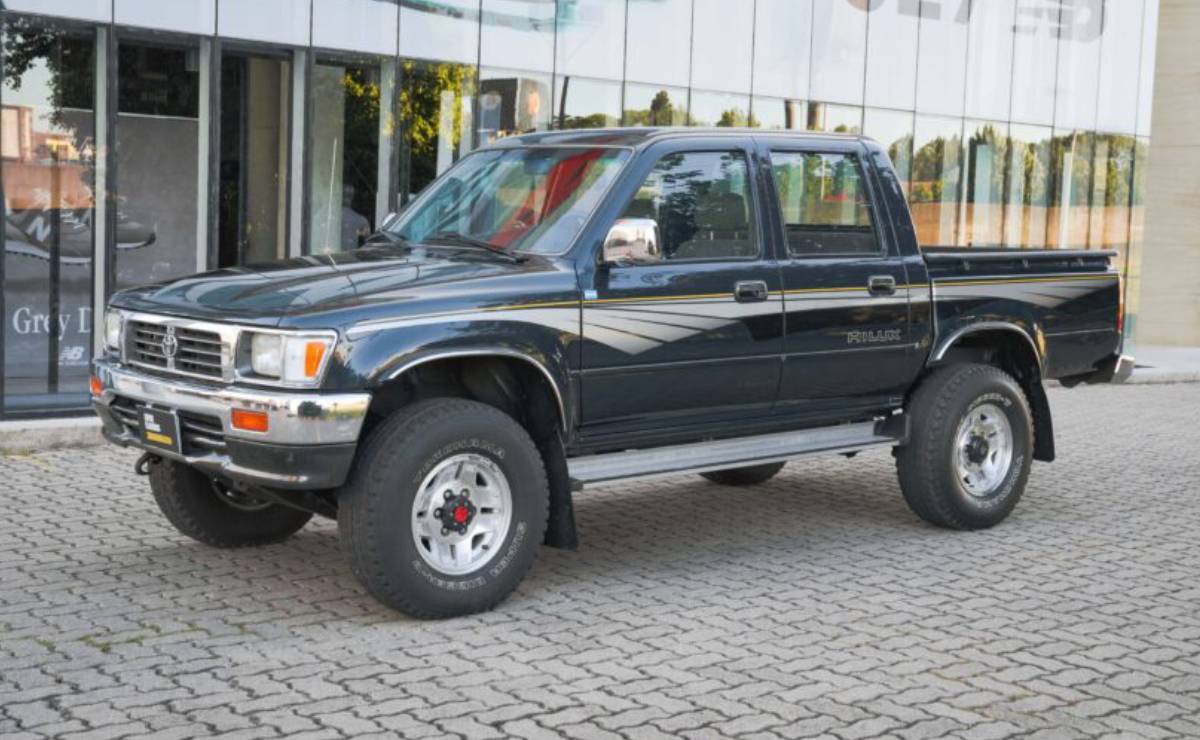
[143,139]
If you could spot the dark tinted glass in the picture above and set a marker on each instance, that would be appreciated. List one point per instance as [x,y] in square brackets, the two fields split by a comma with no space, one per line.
[824,203]
[701,201]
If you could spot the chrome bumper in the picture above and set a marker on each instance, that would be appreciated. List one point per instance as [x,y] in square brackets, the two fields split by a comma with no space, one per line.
[309,442]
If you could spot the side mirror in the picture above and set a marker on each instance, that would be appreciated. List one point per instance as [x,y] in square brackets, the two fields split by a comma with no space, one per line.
[388,220]
[633,241]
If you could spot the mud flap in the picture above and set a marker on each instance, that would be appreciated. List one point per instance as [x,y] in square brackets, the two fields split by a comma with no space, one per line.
[1043,427]
[560,528]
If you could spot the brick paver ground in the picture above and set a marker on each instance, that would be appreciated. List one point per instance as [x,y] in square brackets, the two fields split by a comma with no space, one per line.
[812,605]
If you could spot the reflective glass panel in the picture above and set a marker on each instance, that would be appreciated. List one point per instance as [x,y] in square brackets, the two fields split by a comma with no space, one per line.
[1146,68]
[839,51]
[93,10]
[894,130]
[782,42]
[1070,198]
[825,204]
[834,119]
[516,199]
[719,109]
[701,201]
[158,149]
[936,180]
[722,40]
[942,58]
[253,177]
[983,191]
[518,34]
[990,59]
[512,102]
[46,138]
[1029,186]
[365,26]
[1035,57]
[653,105]
[892,56]
[591,38]
[436,120]
[445,29]
[277,21]
[344,153]
[1079,73]
[198,17]
[656,45]
[583,103]
[1116,106]
[1112,186]
[1137,236]
[777,113]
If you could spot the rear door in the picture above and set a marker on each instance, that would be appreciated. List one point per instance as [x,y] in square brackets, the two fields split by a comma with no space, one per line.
[697,335]
[846,301]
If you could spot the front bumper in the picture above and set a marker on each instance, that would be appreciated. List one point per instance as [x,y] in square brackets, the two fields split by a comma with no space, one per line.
[309,443]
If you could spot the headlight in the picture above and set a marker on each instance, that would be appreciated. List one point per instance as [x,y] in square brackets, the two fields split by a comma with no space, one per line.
[112,329]
[291,359]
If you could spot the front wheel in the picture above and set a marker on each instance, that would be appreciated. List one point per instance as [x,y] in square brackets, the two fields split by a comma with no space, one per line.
[444,509]
[967,462]
[208,511]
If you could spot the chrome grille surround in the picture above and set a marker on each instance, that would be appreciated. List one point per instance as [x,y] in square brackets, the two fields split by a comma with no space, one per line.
[198,349]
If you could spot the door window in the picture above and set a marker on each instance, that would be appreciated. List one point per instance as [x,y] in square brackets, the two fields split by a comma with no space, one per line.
[701,201]
[824,203]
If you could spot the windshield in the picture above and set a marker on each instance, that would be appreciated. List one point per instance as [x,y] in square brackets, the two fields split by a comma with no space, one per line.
[530,199]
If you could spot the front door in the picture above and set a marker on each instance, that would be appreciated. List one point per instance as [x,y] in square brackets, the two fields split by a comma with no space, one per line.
[696,335]
[846,299]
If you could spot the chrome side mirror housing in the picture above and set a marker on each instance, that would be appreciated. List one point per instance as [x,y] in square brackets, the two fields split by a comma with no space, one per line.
[633,241]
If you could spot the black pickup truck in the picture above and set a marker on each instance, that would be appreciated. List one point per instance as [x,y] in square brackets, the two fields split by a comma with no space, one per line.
[574,308]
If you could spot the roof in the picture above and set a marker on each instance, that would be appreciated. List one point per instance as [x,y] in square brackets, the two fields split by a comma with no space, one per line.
[641,135]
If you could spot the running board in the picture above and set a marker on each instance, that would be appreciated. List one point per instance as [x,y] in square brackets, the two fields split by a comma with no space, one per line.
[700,457]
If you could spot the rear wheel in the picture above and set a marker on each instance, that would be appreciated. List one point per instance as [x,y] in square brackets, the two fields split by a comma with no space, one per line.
[967,462]
[444,509]
[748,476]
[211,512]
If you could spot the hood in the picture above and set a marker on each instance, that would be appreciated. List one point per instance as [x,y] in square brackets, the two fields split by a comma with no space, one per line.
[329,290]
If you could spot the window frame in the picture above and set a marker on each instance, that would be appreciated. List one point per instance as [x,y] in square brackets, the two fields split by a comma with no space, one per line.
[769,148]
[705,146]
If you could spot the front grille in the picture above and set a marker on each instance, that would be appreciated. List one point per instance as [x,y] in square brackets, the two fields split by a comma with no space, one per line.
[198,352]
[199,434]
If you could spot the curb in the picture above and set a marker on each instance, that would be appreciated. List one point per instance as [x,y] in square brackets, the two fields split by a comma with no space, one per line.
[36,435]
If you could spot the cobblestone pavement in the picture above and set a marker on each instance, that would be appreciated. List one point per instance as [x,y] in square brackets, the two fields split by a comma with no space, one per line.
[814,604]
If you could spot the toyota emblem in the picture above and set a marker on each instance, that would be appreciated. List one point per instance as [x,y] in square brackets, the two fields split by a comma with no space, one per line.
[170,345]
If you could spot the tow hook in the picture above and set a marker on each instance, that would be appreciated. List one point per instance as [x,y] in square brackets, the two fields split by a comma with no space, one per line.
[142,466]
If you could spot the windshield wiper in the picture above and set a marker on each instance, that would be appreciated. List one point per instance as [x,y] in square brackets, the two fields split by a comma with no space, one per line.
[457,239]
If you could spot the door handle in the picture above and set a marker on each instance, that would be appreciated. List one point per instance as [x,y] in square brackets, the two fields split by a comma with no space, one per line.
[881,285]
[750,291]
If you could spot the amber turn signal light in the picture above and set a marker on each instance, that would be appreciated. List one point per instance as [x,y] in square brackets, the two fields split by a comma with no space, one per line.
[249,421]
[95,386]
[314,352]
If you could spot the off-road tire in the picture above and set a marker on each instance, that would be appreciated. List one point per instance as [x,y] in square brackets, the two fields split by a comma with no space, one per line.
[189,501]
[926,465]
[748,476]
[375,507]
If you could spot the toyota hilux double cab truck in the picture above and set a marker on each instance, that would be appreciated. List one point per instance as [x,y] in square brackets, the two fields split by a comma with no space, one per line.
[566,309]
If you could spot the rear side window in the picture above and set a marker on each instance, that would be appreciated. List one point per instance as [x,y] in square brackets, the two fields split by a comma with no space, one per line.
[701,201]
[824,203]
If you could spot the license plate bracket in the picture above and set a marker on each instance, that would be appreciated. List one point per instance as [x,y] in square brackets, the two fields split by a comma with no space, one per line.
[160,428]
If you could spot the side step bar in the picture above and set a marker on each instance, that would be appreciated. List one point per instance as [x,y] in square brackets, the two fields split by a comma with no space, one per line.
[700,457]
